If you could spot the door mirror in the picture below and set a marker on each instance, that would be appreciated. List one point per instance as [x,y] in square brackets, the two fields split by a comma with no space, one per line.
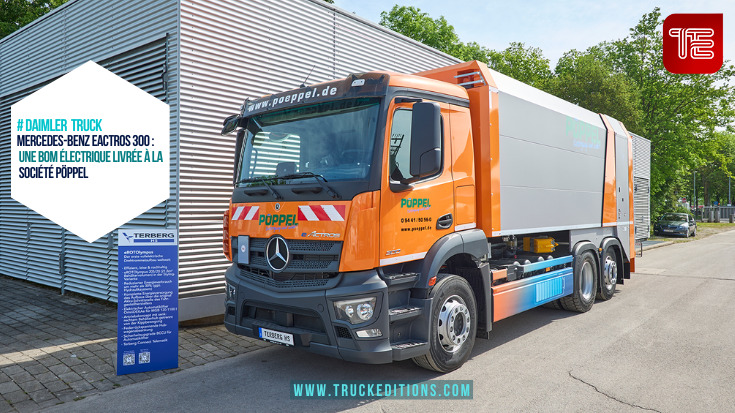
[230,124]
[426,140]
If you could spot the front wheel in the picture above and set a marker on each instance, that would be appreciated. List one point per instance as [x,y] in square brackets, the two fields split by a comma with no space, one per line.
[453,325]
[584,285]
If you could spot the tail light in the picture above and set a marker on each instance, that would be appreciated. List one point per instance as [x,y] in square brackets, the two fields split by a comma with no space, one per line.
[226,245]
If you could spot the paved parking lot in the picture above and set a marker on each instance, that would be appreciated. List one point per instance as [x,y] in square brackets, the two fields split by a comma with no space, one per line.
[55,349]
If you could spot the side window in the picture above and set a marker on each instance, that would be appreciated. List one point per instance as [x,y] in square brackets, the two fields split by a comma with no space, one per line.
[400,145]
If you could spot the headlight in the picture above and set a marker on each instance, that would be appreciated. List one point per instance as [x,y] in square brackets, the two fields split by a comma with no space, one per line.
[684,226]
[365,311]
[355,311]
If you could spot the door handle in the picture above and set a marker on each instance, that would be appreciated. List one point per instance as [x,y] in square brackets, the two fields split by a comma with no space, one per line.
[444,221]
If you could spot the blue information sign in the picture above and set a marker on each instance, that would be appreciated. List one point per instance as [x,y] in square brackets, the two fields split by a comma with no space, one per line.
[147,295]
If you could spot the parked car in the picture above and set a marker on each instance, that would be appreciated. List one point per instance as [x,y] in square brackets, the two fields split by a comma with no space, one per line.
[675,224]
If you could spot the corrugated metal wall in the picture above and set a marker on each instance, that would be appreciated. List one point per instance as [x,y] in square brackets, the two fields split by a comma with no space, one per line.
[642,186]
[130,39]
[231,50]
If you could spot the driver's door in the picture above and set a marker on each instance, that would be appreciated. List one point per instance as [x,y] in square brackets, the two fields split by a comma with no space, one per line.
[413,219]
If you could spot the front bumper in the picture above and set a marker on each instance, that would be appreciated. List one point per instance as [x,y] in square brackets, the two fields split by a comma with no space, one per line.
[309,315]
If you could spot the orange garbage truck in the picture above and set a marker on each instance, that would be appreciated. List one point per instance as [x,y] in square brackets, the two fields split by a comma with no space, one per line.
[387,216]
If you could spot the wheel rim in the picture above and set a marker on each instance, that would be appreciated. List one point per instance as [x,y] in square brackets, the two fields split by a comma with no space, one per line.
[587,280]
[610,277]
[453,325]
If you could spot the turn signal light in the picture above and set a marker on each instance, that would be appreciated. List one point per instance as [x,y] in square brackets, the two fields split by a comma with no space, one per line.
[226,246]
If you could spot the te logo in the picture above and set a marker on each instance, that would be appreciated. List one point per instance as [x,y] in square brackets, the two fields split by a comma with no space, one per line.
[693,43]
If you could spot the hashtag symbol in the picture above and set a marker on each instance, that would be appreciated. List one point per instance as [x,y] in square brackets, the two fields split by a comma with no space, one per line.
[20,125]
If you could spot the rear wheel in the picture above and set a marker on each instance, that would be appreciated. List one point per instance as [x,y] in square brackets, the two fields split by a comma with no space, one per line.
[609,276]
[453,325]
[585,284]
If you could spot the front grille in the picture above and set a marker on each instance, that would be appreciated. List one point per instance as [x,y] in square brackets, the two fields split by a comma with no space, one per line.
[312,264]
[298,245]
[299,262]
[288,280]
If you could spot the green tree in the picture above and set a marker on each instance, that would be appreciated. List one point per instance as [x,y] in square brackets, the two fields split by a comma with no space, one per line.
[412,22]
[716,167]
[437,33]
[585,78]
[470,51]
[526,64]
[15,14]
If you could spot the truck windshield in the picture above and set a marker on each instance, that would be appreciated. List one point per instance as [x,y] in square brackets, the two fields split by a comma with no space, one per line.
[332,139]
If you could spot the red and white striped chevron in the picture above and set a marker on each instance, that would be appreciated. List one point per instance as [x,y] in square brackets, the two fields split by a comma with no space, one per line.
[245,213]
[322,212]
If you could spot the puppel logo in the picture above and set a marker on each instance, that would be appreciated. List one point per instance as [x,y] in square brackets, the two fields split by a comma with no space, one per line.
[693,43]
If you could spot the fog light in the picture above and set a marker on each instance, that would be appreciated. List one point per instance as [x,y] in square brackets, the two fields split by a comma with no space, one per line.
[370,332]
[355,311]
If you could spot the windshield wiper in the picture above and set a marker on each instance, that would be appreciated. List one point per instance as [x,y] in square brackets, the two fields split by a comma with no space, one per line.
[319,178]
[263,180]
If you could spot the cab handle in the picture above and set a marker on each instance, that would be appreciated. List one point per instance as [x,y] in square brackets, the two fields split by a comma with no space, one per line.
[444,221]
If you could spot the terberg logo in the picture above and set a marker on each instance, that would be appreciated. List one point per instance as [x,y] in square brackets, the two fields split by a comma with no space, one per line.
[139,235]
[693,43]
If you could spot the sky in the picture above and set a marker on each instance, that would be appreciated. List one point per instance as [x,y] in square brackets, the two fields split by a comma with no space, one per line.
[553,26]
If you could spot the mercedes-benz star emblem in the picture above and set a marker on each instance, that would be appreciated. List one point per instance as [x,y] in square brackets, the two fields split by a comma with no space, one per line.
[278,206]
[276,253]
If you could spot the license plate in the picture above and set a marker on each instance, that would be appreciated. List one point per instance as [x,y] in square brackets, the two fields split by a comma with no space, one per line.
[275,336]
[668,230]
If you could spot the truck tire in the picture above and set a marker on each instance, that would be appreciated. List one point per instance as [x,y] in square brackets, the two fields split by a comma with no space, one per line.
[609,276]
[584,285]
[453,325]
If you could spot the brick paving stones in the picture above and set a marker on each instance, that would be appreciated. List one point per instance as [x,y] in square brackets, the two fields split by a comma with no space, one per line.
[55,349]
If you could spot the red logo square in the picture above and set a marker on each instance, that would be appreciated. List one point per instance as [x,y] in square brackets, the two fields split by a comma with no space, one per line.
[693,43]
